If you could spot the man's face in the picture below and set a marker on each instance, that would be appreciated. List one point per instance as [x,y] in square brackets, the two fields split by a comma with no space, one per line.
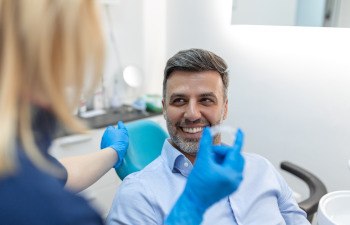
[193,100]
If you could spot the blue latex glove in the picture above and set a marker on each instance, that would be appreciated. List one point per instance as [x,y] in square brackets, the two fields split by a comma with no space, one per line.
[118,139]
[217,173]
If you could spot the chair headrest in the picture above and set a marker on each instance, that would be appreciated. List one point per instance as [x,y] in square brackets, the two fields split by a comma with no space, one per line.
[146,139]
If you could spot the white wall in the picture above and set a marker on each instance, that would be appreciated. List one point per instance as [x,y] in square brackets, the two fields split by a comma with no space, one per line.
[291,94]
[274,12]
[154,22]
[289,86]
[139,29]
[125,35]
[344,14]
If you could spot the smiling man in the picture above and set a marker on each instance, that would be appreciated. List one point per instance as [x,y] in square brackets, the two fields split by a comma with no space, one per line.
[195,96]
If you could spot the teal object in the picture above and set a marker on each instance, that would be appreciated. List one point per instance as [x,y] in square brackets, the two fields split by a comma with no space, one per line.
[146,139]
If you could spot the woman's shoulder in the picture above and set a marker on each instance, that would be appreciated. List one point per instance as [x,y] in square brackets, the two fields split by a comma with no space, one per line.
[31,196]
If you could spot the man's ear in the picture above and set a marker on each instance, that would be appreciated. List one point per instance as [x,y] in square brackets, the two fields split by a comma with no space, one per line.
[163,108]
[225,109]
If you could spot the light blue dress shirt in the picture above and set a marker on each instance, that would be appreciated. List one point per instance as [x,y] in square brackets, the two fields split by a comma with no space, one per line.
[147,196]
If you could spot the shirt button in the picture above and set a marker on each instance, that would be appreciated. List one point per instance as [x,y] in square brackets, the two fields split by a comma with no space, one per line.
[186,164]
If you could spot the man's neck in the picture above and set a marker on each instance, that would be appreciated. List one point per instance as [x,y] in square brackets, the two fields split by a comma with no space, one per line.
[188,156]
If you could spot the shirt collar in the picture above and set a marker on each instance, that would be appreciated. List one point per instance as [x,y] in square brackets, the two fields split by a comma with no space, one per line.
[177,162]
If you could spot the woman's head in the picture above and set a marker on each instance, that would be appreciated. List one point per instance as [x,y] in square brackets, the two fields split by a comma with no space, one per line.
[47,47]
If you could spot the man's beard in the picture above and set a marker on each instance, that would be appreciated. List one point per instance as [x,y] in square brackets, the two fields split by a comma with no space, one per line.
[189,146]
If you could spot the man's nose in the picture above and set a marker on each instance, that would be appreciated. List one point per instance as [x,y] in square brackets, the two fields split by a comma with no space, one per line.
[192,111]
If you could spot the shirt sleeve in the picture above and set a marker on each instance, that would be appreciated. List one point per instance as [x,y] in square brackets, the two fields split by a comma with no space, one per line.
[132,205]
[289,208]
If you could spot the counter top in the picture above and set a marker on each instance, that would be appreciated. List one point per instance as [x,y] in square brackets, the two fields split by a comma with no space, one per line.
[124,113]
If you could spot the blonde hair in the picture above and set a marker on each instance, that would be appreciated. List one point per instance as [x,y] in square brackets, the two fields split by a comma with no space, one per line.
[47,47]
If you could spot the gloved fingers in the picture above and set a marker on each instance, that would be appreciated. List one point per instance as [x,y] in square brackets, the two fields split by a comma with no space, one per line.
[109,128]
[220,152]
[234,161]
[122,128]
[239,140]
[234,158]
[205,144]
[121,125]
[237,164]
[104,137]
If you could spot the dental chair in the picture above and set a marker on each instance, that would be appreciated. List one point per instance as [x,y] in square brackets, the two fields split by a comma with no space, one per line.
[146,140]
[316,188]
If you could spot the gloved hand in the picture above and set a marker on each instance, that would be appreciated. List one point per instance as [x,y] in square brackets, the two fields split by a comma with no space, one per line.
[217,172]
[118,139]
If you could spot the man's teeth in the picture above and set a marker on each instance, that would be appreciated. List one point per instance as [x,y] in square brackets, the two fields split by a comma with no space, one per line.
[192,130]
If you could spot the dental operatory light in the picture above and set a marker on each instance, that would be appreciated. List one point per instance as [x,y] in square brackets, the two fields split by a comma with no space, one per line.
[132,76]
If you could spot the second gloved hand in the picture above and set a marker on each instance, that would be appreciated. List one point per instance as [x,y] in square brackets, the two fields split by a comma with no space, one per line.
[217,172]
[118,139]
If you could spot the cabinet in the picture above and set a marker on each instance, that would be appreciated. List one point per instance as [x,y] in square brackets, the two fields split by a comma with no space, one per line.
[101,193]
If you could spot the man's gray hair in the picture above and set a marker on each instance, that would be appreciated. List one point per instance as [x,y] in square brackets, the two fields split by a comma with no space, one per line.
[196,60]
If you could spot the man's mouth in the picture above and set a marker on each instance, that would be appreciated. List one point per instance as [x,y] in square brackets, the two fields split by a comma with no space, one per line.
[192,130]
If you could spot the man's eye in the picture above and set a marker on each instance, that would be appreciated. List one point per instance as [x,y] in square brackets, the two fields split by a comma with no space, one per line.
[178,101]
[207,101]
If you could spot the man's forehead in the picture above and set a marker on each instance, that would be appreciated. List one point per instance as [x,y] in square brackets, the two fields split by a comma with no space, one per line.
[194,83]
[199,94]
